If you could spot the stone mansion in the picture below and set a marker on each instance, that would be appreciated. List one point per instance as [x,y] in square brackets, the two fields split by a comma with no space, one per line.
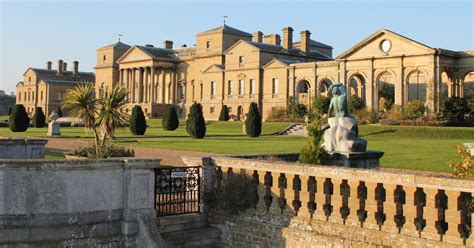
[231,67]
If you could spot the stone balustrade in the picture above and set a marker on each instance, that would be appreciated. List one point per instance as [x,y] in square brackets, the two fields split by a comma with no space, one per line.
[373,206]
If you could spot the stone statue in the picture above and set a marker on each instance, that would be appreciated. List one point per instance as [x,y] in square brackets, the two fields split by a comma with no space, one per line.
[54,126]
[342,133]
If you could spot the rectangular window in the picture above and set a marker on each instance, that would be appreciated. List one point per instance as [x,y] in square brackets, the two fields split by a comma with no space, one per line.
[241,87]
[275,86]
[32,96]
[41,95]
[213,88]
[29,96]
[19,97]
[212,110]
[208,44]
[252,86]
[241,60]
[24,96]
[230,87]
[201,92]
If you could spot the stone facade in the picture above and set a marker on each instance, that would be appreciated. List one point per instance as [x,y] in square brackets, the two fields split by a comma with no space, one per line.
[46,87]
[22,148]
[302,205]
[234,68]
[78,203]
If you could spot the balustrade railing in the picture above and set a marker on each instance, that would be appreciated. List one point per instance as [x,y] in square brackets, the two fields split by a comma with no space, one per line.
[429,207]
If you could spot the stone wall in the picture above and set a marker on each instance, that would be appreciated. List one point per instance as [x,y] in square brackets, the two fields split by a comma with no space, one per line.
[73,203]
[303,205]
[16,148]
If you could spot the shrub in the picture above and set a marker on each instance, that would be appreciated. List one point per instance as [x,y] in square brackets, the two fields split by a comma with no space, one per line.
[195,124]
[137,121]
[19,120]
[294,109]
[313,152]
[355,103]
[365,116]
[170,119]
[59,112]
[455,108]
[414,110]
[9,112]
[277,114]
[253,123]
[393,116]
[320,106]
[237,193]
[104,151]
[463,168]
[39,119]
[224,115]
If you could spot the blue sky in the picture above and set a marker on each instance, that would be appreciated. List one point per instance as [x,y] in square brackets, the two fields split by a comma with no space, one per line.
[33,32]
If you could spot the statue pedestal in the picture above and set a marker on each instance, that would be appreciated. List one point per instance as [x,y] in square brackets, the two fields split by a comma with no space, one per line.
[362,160]
[54,129]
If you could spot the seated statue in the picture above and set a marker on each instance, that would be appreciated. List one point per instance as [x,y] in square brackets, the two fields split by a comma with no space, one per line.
[342,133]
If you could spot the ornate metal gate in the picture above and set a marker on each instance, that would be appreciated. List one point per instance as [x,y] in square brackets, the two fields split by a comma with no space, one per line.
[177,190]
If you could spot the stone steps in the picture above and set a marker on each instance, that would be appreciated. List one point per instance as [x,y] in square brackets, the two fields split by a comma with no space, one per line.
[295,130]
[187,230]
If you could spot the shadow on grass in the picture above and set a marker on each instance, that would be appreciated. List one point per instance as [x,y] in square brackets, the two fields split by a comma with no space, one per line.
[380,132]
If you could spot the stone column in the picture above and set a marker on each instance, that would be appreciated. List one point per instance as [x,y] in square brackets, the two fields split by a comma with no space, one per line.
[370,89]
[147,85]
[127,83]
[152,84]
[174,87]
[133,84]
[403,93]
[140,85]
[461,87]
[163,84]
[120,76]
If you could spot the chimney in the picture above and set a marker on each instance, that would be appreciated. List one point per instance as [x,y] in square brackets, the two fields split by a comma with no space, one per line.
[273,39]
[64,66]
[75,67]
[287,37]
[257,37]
[168,44]
[60,67]
[305,40]
[49,65]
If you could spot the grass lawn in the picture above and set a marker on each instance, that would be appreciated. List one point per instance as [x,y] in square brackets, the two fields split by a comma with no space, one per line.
[53,154]
[406,147]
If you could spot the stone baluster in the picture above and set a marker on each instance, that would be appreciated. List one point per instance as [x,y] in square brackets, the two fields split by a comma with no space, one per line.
[409,211]
[292,194]
[431,215]
[453,218]
[390,209]
[336,201]
[371,206]
[261,192]
[353,219]
[275,190]
[320,199]
[304,197]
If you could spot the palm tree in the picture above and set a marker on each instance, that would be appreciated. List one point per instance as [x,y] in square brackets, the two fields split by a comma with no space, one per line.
[81,103]
[111,115]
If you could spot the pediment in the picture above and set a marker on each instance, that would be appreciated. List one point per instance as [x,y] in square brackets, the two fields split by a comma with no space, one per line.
[241,76]
[372,46]
[213,68]
[134,54]
[275,63]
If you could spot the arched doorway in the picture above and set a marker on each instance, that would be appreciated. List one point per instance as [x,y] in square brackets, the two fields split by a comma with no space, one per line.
[416,86]
[385,91]
[303,92]
[324,87]
[468,85]
[240,112]
[357,86]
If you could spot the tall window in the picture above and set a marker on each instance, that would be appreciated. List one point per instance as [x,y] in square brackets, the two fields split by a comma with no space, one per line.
[213,88]
[28,96]
[19,97]
[208,44]
[241,60]
[252,86]
[241,87]
[24,96]
[201,93]
[230,87]
[41,95]
[275,86]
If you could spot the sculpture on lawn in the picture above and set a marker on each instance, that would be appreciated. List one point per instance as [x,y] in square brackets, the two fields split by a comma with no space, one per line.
[342,133]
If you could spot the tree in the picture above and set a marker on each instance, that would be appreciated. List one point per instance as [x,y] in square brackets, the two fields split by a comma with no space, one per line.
[320,106]
[170,119]
[195,124]
[19,120]
[111,115]
[455,108]
[39,119]
[82,104]
[137,121]
[313,152]
[253,123]
[294,109]
[224,115]
[59,111]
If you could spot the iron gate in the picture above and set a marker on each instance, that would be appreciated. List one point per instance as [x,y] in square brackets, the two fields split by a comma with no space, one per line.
[177,190]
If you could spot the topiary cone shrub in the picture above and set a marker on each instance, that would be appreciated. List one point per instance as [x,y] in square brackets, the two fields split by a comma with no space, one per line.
[313,152]
[137,121]
[195,124]
[224,115]
[19,120]
[170,119]
[253,123]
[39,119]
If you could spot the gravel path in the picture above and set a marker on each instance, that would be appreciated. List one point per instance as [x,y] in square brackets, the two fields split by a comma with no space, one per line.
[168,157]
